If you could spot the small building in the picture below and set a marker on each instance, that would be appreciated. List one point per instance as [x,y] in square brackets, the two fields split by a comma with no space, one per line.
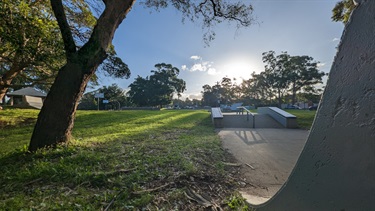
[27,98]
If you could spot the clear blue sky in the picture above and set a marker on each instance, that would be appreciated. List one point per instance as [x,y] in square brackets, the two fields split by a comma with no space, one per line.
[300,27]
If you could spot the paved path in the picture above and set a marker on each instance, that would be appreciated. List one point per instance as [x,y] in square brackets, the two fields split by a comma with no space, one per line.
[272,152]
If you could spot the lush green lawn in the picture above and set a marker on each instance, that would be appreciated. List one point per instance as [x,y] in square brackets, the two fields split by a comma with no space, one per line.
[125,160]
[305,118]
[122,160]
[16,126]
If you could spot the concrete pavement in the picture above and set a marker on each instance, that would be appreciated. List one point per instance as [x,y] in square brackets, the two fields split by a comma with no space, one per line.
[271,153]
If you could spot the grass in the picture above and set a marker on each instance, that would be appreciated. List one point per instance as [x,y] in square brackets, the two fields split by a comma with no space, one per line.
[127,160]
[16,126]
[305,118]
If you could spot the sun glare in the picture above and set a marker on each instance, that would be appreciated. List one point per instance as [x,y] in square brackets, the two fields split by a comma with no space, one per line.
[238,69]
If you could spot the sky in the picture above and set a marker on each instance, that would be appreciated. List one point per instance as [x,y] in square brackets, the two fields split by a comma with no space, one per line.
[300,27]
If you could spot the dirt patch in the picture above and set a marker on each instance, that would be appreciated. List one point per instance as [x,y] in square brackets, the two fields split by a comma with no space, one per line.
[243,176]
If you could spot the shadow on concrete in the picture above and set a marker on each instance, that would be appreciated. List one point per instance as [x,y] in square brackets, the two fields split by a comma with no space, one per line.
[249,137]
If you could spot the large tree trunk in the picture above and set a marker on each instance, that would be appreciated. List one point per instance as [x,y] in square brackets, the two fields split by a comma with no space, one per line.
[56,119]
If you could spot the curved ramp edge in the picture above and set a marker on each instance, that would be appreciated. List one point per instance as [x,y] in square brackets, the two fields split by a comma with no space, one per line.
[336,168]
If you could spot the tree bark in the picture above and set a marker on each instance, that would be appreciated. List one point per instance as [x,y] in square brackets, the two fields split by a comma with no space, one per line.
[294,93]
[279,98]
[7,77]
[56,119]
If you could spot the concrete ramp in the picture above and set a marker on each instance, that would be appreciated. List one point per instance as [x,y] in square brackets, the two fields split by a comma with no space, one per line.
[234,120]
[336,169]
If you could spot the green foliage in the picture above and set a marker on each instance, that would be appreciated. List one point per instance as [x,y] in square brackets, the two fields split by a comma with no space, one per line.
[303,74]
[158,89]
[31,48]
[284,75]
[225,92]
[114,66]
[237,202]
[342,10]
[255,90]
[210,95]
[276,73]
[113,93]
[80,17]
[114,156]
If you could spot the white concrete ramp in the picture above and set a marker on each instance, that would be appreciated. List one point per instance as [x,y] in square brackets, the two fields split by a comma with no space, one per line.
[336,169]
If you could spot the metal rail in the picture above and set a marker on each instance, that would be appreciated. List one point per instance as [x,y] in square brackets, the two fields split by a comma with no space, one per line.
[242,109]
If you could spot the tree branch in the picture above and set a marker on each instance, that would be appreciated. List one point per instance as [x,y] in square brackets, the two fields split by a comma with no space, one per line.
[102,34]
[69,44]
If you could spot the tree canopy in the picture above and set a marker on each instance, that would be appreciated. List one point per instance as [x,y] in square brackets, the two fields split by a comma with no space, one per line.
[284,78]
[157,89]
[113,93]
[342,10]
[31,46]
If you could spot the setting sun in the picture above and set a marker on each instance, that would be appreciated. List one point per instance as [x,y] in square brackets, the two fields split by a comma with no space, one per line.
[239,69]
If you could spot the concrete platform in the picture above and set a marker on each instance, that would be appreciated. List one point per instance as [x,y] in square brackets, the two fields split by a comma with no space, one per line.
[233,120]
[272,152]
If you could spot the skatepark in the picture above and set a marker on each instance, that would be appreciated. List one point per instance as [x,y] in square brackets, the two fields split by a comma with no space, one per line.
[336,167]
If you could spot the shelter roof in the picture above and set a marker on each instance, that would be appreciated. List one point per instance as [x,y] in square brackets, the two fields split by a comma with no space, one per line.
[29,91]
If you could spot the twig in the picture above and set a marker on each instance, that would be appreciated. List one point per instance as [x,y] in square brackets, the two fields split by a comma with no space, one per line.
[252,168]
[33,181]
[152,189]
[232,164]
[113,200]
[190,194]
[120,171]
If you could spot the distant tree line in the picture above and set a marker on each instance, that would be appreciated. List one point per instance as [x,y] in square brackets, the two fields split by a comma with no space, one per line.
[285,79]
[156,90]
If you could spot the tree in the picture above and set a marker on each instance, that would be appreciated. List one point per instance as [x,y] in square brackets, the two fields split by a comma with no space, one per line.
[211,95]
[113,93]
[342,10]
[226,91]
[285,73]
[56,119]
[310,94]
[276,72]
[138,93]
[158,89]
[303,73]
[31,48]
[254,89]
